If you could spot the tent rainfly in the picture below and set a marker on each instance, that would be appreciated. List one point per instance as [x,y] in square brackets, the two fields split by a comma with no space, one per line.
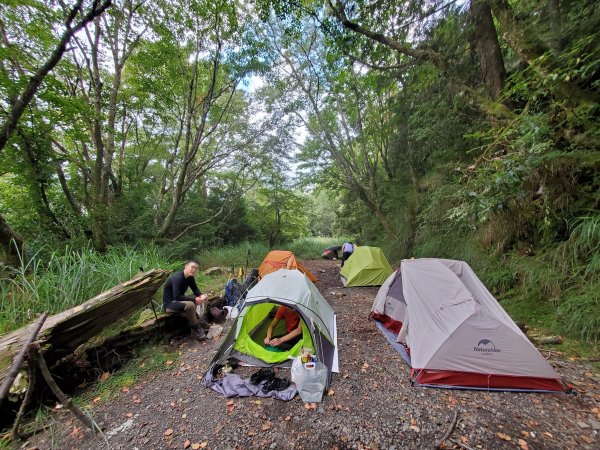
[282,259]
[456,332]
[291,288]
[366,266]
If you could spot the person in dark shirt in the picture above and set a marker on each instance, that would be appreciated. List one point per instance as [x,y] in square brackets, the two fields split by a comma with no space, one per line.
[293,326]
[176,302]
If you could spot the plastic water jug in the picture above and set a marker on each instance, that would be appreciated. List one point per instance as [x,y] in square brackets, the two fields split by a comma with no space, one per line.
[310,379]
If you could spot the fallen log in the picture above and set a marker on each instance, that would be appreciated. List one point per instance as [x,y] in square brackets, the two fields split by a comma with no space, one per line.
[547,340]
[62,333]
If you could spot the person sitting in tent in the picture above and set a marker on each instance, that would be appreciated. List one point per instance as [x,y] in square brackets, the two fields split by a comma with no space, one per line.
[176,302]
[347,250]
[293,326]
[331,252]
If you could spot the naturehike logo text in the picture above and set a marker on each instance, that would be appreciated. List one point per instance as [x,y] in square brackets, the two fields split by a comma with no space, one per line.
[485,346]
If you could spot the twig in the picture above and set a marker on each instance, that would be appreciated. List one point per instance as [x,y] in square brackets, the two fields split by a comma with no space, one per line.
[14,369]
[441,442]
[66,401]
[15,435]
[466,447]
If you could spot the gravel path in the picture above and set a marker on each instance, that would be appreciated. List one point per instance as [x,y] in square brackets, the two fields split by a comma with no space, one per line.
[372,404]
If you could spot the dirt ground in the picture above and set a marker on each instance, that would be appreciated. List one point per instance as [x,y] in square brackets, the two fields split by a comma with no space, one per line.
[371,405]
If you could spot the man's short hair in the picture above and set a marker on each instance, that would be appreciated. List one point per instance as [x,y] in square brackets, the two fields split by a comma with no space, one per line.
[192,261]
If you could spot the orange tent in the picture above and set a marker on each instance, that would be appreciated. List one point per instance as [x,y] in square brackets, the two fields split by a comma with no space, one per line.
[282,259]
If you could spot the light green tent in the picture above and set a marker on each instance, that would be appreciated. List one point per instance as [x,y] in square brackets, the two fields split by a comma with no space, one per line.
[367,266]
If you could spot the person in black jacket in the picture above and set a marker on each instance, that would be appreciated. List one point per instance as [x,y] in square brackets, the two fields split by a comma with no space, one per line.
[176,302]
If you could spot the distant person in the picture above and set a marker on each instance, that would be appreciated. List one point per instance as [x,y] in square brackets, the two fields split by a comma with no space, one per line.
[176,302]
[293,327]
[331,252]
[347,250]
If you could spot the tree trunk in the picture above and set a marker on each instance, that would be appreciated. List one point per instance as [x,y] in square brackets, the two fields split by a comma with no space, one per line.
[491,62]
[555,26]
[11,242]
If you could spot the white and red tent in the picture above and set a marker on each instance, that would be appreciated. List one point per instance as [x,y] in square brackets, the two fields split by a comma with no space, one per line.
[455,331]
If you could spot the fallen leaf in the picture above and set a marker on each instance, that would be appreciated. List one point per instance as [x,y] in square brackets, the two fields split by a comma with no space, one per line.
[587,439]
[76,433]
[97,399]
[136,399]
[256,402]
[523,444]
[169,432]
[365,366]
[463,439]
[503,436]
[548,434]
[266,426]
[169,363]
[184,416]
[330,392]
[287,418]
[196,446]
[203,444]
[187,443]
[105,376]
[251,433]
[142,365]
[230,402]
[129,415]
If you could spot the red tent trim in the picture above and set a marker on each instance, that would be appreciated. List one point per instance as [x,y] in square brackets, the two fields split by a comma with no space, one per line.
[467,380]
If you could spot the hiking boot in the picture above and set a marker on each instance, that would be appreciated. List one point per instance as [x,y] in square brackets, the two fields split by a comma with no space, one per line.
[276,384]
[198,333]
[261,375]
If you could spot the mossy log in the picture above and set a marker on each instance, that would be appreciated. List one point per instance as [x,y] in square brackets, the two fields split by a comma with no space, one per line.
[62,333]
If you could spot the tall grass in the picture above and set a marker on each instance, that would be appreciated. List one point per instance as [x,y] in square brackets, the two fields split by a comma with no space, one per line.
[56,281]
[236,255]
[66,279]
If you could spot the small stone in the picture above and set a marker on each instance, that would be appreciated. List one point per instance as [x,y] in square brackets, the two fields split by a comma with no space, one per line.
[594,424]
[273,445]
[582,424]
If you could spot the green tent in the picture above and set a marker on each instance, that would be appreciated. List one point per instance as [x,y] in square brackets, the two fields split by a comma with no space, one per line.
[367,266]
[293,289]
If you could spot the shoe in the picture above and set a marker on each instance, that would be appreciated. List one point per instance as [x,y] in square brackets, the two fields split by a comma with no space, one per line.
[198,333]
[276,384]
[261,375]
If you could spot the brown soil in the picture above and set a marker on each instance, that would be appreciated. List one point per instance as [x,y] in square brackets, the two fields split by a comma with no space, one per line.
[371,405]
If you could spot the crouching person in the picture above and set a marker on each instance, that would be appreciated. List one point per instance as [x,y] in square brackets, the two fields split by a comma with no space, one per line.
[176,302]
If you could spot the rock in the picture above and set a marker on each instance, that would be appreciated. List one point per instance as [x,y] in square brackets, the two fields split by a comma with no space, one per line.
[215,271]
[582,424]
[214,331]
[594,424]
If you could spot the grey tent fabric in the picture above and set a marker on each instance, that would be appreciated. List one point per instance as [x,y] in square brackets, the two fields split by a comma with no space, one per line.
[457,331]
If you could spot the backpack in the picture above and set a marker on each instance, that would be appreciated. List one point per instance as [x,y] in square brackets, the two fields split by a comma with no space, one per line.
[233,292]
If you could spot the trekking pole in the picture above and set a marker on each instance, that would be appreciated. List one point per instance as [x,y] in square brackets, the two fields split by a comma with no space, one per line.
[247,259]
